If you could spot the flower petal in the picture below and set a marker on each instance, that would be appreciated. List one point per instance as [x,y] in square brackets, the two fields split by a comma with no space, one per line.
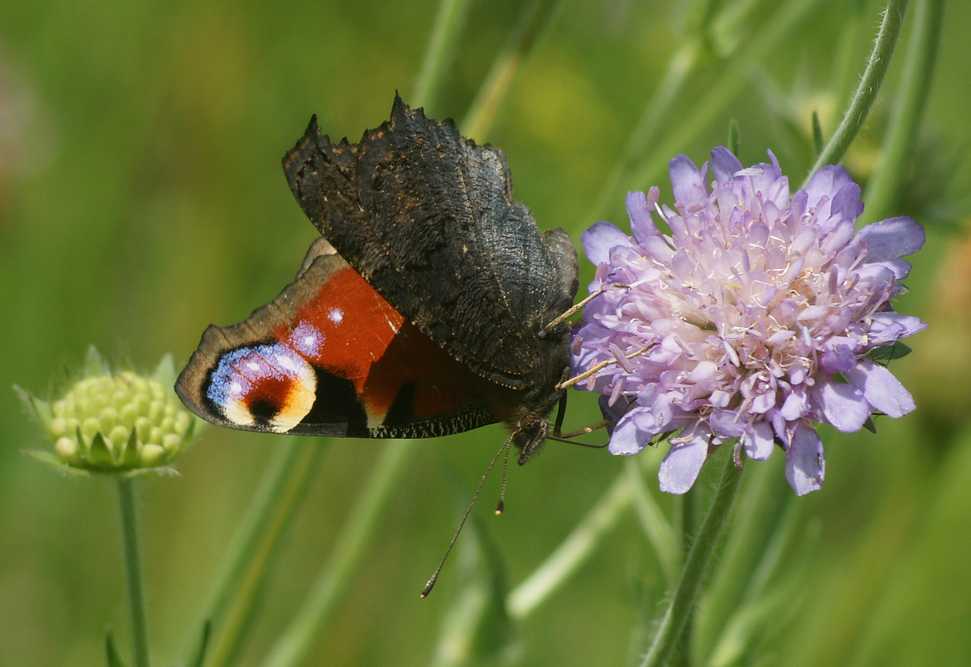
[758,441]
[889,327]
[599,239]
[795,405]
[892,238]
[847,203]
[843,405]
[726,423]
[724,163]
[627,439]
[636,428]
[639,212]
[838,355]
[805,465]
[686,181]
[825,183]
[681,466]
[881,389]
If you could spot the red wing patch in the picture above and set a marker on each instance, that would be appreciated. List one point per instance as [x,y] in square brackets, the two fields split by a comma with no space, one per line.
[331,356]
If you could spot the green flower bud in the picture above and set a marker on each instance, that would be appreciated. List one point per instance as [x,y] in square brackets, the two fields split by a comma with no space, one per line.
[115,422]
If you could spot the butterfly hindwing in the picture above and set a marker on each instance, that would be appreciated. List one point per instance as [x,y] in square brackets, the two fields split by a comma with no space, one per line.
[426,216]
[330,356]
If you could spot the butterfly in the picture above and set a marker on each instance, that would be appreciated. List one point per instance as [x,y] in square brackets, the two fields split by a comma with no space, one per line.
[422,310]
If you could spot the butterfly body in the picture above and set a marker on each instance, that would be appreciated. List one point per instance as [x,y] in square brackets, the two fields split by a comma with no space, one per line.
[421,314]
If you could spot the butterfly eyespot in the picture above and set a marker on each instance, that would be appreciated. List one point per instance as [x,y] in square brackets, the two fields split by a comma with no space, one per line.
[266,386]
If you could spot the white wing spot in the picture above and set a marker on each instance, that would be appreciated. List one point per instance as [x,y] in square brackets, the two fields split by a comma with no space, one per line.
[336,315]
[287,363]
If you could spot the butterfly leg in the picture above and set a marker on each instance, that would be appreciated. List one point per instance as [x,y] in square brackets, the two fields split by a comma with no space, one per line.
[558,436]
[560,409]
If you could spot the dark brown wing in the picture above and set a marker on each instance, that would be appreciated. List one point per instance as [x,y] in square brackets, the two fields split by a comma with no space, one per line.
[427,217]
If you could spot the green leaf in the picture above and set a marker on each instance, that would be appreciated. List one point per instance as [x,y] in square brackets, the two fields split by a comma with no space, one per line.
[111,653]
[818,142]
[165,372]
[129,451]
[889,353]
[495,629]
[51,459]
[100,454]
[94,363]
[734,140]
[199,656]
[40,410]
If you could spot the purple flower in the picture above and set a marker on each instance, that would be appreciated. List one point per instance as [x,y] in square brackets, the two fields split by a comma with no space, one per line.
[756,318]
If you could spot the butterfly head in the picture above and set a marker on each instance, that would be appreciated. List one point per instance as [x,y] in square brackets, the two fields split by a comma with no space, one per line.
[529,435]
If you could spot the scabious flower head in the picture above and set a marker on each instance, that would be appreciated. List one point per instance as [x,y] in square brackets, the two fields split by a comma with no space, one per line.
[114,422]
[759,316]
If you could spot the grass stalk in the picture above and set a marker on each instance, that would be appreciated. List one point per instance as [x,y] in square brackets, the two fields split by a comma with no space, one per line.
[335,577]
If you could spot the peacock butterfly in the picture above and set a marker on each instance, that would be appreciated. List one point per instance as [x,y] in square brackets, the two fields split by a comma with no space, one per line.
[424,312]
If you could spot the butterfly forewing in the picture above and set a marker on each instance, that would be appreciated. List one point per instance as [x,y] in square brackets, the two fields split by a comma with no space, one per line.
[426,216]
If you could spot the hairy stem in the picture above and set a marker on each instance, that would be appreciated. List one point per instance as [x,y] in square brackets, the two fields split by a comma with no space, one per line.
[695,568]
[883,191]
[866,91]
[656,527]
[760,512]
[730,83]
[682,654]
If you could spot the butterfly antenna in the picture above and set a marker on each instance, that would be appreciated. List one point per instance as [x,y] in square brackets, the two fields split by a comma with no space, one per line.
[596,368]
[430,584]
[577,307]
[504,479]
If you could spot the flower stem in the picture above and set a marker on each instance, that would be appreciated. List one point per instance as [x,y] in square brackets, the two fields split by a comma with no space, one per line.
[730,83]
[338,572]
[133,570]
[682,655]
[844,63]
[440,51]
[883,190]
[866,91]
[703,546]
[763,502]
[656,527]
[236,592]
[534,18]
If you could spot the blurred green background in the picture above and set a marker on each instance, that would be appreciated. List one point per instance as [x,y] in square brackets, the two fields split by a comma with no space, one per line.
[141,198]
